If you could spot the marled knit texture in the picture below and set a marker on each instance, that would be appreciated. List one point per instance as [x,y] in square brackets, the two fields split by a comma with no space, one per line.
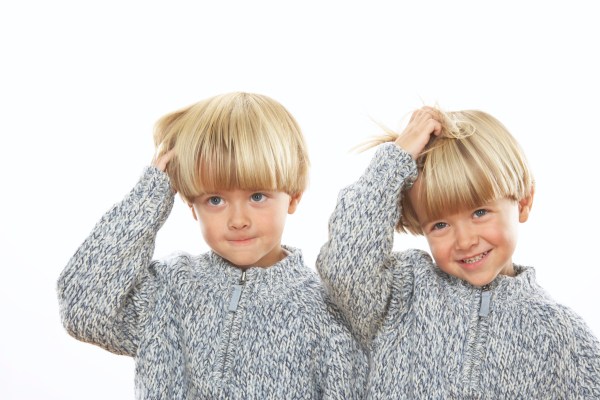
[174,316]
[422,326]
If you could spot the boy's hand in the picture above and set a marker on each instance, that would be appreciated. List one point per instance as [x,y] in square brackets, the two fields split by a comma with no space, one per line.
[422,124]
[161,161]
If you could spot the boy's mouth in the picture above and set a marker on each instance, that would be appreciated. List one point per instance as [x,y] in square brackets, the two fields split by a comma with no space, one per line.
[476,258]
[241,240]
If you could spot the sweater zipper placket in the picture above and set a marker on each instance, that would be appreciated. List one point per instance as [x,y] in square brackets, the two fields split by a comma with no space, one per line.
[233,317]
[476,343]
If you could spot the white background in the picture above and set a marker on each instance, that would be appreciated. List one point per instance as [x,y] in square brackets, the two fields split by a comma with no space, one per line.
[82,83]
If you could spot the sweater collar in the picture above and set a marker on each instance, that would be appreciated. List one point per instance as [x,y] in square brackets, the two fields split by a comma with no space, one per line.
[504,288]
[285,272]
[523,284]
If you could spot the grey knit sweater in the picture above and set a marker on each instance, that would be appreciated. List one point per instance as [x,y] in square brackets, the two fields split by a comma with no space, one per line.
[434,336]
[197,327]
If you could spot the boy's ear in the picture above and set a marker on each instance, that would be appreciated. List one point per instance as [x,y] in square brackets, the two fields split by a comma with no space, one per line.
[193,211]
[525,206]
[294,200]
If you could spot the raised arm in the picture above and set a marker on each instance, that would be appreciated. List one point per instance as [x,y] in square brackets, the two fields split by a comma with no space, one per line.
[354,263]
[106,288]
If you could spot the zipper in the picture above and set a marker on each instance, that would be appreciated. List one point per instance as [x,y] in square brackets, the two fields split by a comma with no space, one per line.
[486,297]
[237,293]
[477,339]
[232,313]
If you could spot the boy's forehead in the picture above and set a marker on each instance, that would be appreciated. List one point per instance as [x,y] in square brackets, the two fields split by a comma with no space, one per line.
[427,213]
[236,189]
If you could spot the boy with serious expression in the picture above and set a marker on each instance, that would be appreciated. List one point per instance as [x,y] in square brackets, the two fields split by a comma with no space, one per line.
[247,319]
[243,226]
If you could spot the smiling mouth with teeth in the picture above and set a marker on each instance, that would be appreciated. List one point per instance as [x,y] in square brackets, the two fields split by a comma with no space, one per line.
[475,259]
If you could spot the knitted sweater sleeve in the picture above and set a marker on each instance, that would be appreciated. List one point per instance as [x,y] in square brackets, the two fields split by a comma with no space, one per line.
[342,363]
[354,262]
[106,288]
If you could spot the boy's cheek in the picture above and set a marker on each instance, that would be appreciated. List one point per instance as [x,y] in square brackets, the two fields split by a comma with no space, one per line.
[438,253]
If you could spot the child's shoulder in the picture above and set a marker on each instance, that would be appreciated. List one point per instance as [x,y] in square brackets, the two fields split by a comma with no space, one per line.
[315,307]
[555,322]
[412,257]
[304,288]
[304,284]
[537,308]
[414,262]
[179,264]
[543,307]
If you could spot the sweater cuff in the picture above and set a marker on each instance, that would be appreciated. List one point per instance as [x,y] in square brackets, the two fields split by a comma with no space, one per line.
[153,195]
[155,182]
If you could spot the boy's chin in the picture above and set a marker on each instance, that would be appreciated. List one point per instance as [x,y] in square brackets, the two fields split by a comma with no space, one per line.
[245,262]
[479,281]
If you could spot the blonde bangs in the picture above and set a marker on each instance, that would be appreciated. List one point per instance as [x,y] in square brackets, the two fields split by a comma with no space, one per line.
[238,141]
[463,172]
[455,179]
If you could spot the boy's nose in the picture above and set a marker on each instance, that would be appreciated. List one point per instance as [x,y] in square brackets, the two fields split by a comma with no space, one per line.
[238,219]
[465,237]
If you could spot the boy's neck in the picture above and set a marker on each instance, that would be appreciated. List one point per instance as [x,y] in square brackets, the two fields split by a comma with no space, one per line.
[284,253]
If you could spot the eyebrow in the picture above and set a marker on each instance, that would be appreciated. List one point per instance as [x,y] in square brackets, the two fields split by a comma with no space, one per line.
[429,222]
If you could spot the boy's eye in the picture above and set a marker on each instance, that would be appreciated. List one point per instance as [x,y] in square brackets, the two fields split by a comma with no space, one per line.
[438,226]
[215,200]
[480,213]
[257,197]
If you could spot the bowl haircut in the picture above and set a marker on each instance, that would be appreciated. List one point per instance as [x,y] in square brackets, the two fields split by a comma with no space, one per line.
[474,161]
[233,141]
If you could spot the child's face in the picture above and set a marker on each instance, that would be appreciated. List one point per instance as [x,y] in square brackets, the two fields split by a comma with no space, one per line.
[244,227]
[475,245]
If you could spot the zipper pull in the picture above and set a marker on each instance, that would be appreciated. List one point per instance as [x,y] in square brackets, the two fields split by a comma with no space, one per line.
[237,293]
[486,296]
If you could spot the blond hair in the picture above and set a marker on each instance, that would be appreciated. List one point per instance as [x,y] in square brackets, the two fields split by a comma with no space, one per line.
[233,141]
[473,161]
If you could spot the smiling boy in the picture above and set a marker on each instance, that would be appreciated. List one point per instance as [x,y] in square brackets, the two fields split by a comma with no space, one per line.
[475,245]
[469,323]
